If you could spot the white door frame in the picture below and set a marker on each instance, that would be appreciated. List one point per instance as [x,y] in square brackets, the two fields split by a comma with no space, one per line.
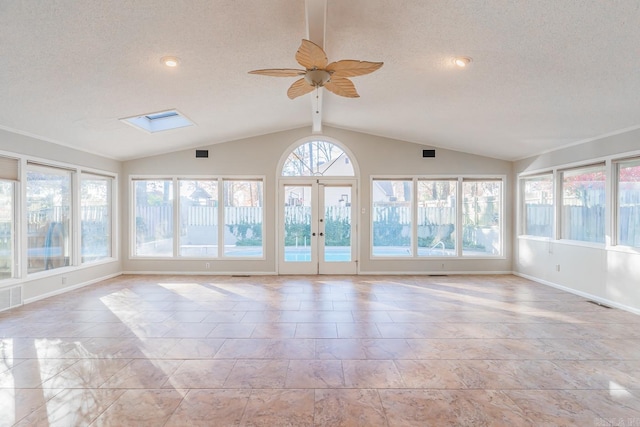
[317,265]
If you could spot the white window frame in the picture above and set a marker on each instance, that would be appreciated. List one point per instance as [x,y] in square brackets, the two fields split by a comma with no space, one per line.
[521,206]
[501,226]
[457,231]
[217,180]
[615,201]
[112,217]
[132,214]
[73,221]
[15,240]
[222,222]
[560,175]
[413,240]
[176,215]
[459,214]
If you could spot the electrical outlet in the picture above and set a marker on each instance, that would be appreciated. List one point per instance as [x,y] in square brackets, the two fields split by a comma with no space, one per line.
[64,280]
[207,265]
[557,267]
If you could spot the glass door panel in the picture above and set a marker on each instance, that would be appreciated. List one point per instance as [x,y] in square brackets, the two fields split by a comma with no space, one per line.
[337,224]
[297,223]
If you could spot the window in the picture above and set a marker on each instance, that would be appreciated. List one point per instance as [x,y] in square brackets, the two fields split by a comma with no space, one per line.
[199,218]
[537,199]
[153,200]
[7,228]
[629,203]
[318,158]
[243,217]
[392,217]
[49,222]
[481,213]
[583,204]
[8,179]
[438,210]
[436,218]
[199,232]
[95,217]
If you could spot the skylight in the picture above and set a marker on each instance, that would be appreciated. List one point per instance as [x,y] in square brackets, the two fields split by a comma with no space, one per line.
[162,115]
[158,122]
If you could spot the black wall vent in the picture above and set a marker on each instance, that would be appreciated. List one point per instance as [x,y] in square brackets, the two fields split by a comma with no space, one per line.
[202,153]
[428,153]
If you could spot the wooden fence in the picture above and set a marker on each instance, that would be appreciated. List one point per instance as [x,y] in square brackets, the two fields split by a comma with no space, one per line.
[154,222]
[584,223]
[201,215]
[629,226]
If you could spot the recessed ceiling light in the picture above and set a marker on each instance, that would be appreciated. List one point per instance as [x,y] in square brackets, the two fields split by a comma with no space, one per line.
[170,61]
[462,61]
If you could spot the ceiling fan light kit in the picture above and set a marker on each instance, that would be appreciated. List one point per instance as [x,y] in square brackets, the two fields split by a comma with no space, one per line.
[318,73]
[317,78]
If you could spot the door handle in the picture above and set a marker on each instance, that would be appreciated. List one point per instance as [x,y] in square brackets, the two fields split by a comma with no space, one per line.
[313,234]
[322,234]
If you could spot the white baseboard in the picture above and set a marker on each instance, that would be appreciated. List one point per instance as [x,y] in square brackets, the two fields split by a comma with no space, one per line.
[429,273]
[70,288]
[202,273]
[273,273]
[586,295]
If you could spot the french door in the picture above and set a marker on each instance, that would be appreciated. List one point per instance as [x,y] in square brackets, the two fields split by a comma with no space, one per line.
[317,227]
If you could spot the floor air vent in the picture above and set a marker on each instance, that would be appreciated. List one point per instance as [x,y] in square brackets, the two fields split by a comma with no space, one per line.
[597,303]
[10,297]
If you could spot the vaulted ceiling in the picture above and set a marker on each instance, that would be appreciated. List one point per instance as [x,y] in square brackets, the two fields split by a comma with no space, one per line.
[544,74]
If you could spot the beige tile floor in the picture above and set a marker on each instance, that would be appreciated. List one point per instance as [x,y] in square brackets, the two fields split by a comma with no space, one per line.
[318,350]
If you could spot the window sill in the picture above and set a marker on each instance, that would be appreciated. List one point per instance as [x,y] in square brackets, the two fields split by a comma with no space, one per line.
[535,238]
[591,245]
[67,269]
[624,249]
[9,283]
[90,264]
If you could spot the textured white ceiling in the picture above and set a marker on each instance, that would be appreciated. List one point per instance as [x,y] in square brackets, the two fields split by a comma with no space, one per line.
[545,73]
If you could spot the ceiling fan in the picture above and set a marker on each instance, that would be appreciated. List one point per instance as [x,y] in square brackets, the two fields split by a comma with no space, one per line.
[318,73]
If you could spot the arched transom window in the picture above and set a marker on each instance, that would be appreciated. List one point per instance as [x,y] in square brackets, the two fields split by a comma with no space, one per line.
[318,158]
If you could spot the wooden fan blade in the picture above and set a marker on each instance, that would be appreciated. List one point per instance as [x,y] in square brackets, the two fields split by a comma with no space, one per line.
[299,88]
[279,72]
[352,67]
[343,87]
[311,56]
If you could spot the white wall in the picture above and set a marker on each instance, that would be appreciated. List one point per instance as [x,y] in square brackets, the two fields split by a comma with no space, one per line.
[39,285]
[260,156]
[606,274]
[610,275]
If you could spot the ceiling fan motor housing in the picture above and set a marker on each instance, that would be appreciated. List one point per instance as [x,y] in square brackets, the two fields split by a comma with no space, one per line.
[317,78]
